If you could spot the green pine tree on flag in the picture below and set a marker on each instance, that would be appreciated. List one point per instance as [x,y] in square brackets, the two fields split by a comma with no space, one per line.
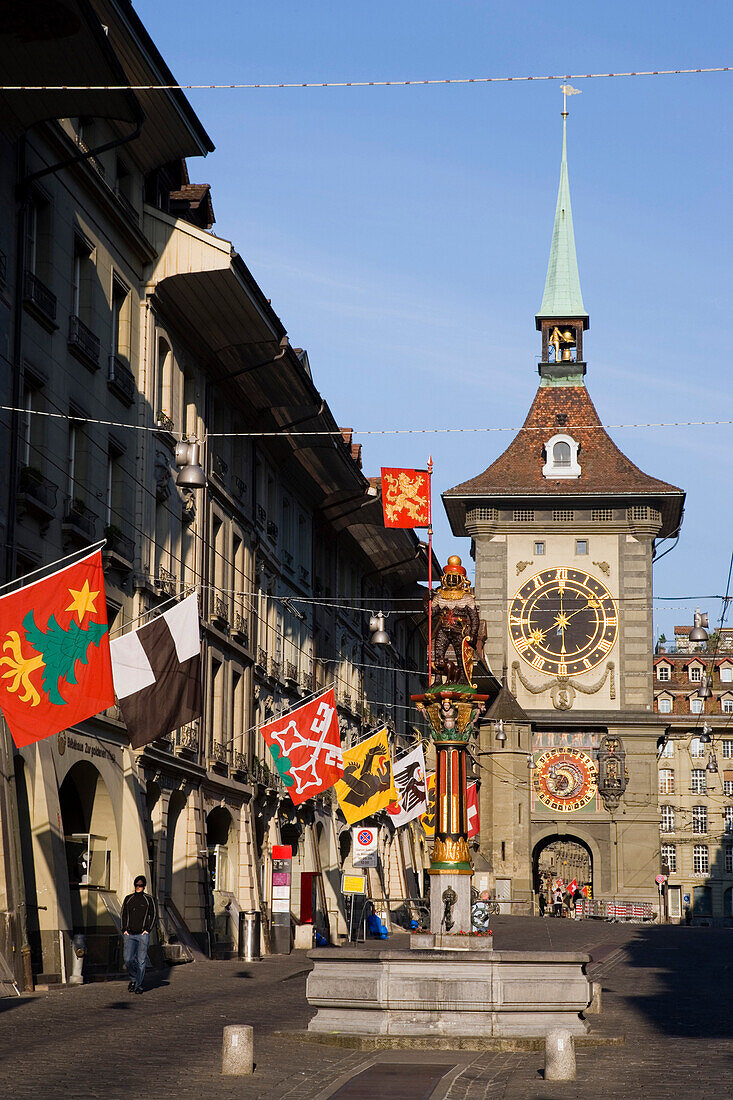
[60,650]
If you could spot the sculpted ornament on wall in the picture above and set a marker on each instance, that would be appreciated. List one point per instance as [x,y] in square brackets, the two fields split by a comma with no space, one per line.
[563,688]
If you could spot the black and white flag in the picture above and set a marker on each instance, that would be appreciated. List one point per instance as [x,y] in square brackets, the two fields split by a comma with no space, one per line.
[157,673]
[409,778]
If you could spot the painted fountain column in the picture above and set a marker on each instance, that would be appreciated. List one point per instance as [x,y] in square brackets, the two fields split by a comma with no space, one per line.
[452,706]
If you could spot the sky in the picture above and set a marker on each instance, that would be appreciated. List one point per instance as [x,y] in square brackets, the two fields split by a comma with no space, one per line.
[403,233]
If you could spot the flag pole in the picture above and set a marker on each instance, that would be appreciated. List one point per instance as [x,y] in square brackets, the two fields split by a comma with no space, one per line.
[430,568]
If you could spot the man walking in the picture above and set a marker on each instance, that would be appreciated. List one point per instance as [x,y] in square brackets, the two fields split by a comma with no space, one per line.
[138,918]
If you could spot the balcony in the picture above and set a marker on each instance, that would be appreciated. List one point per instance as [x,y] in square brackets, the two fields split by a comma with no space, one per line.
[79,523]
[36,496]
[121,381]
[304,575]
[167,583]
[272,531]
[120,550]
[291,672]
[307,681]
[220,613]
[39,301]
[187,740]
[261,657]
[261,516]
[219,469]
[240,487]
[240,628]
[218,755]
[239,764]
[83,344]
[274,668]
[3,268]
[287,560]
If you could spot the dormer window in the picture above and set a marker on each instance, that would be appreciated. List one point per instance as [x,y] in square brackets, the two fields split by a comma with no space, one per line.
[561,457]
[663,672]
[695,673]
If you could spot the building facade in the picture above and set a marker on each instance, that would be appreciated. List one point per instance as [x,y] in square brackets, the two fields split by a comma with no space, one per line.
[564,529]
[693,695]
[127,325]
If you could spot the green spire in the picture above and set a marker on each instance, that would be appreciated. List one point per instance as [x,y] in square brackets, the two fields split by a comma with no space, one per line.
[562,297]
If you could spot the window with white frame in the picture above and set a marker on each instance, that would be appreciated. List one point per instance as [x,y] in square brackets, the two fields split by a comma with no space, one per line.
[664,704]
[663,672]
[729,859]
[695,705]
[667,822]
[726,704]
[695,673]
[699,819]
[698,781]
[727,786]
[561,457]
[666,781]
[727,749]
[696,747]
[667,750]
[726,674]
[669,857]
[728,819]
[700,859]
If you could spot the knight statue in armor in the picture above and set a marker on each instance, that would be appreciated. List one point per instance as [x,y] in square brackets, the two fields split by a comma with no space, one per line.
[458,633]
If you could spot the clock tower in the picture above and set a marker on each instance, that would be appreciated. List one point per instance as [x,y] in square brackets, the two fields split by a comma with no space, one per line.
[564,531]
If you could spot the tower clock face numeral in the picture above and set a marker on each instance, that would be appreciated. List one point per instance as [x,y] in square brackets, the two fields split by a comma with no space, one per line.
[563,621]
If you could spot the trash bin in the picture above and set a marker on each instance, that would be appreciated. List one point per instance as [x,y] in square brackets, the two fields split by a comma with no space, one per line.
[249,936]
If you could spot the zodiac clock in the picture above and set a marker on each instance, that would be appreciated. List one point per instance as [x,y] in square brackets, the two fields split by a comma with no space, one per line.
[565,779]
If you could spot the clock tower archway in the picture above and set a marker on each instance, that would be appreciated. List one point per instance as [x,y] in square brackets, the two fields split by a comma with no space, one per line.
[564,528]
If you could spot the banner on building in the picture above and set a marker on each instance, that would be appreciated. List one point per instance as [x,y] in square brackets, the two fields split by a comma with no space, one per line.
[306,746]
[405,497]
[157,673]
[427,820]
[410,781]
[364,846]
[474,825]
[55,666]
[367,784]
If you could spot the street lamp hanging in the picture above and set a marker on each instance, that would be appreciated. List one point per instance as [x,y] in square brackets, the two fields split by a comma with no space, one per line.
[188,460]
[379,635]
[698,632]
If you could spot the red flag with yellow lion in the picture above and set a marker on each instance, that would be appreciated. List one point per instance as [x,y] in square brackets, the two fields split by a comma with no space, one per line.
[405,497]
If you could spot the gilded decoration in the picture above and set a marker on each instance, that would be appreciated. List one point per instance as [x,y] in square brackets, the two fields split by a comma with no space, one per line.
[451,851]
[569,684]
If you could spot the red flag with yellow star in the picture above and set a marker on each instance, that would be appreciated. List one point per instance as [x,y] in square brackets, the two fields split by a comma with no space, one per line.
[55,666]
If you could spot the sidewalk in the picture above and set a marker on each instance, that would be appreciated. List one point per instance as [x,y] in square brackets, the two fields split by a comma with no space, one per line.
[668,989]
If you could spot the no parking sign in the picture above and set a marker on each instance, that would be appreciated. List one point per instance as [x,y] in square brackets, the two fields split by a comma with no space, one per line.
[364,846]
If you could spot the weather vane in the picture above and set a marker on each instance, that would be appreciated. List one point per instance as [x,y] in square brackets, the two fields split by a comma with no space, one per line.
[567,89]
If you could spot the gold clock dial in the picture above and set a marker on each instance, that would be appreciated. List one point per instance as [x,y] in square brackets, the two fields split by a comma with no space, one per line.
[563,621]
[565,779]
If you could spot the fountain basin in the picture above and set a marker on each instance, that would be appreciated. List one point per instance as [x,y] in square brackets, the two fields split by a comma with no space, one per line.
[448,992]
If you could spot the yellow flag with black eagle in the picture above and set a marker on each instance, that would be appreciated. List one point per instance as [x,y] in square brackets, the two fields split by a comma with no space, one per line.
[367,784]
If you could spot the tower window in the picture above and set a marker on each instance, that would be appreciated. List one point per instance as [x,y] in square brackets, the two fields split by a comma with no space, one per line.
[539,549]
[581,546]
[561,457]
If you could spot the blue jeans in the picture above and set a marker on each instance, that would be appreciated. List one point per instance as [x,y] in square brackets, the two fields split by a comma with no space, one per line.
[135,954]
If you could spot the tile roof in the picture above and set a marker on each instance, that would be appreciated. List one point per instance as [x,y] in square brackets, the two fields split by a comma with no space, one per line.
[605,470]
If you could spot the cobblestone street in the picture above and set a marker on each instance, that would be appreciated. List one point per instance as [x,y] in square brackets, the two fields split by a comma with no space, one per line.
[668,990]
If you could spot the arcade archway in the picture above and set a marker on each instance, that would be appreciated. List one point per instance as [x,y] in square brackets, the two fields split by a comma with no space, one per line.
[564,857]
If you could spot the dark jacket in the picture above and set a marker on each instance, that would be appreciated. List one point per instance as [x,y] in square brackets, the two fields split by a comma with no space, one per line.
[138,913]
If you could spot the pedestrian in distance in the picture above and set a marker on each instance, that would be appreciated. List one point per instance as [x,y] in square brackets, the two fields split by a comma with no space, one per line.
[543,905]
[138,918]
[557,903]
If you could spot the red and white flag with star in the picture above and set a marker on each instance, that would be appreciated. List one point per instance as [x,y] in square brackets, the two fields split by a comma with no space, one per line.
[55,666]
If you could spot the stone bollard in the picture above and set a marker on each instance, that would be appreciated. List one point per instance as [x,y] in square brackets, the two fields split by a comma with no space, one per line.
[594,1007]
[559,1055]
[237,1052]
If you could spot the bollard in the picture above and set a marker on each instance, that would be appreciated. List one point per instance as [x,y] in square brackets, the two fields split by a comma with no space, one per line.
[594,1007]
[79,944]
[237,1051]
[559,1055]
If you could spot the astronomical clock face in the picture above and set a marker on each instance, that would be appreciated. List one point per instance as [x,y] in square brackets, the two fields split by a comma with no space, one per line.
[565,779]
[563,622]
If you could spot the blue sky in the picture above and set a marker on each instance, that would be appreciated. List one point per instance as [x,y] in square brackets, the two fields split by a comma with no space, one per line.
[403,233]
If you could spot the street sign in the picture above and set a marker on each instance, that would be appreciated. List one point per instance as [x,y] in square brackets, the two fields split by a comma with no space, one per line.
[364,846]
[660,879]
[353,884]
